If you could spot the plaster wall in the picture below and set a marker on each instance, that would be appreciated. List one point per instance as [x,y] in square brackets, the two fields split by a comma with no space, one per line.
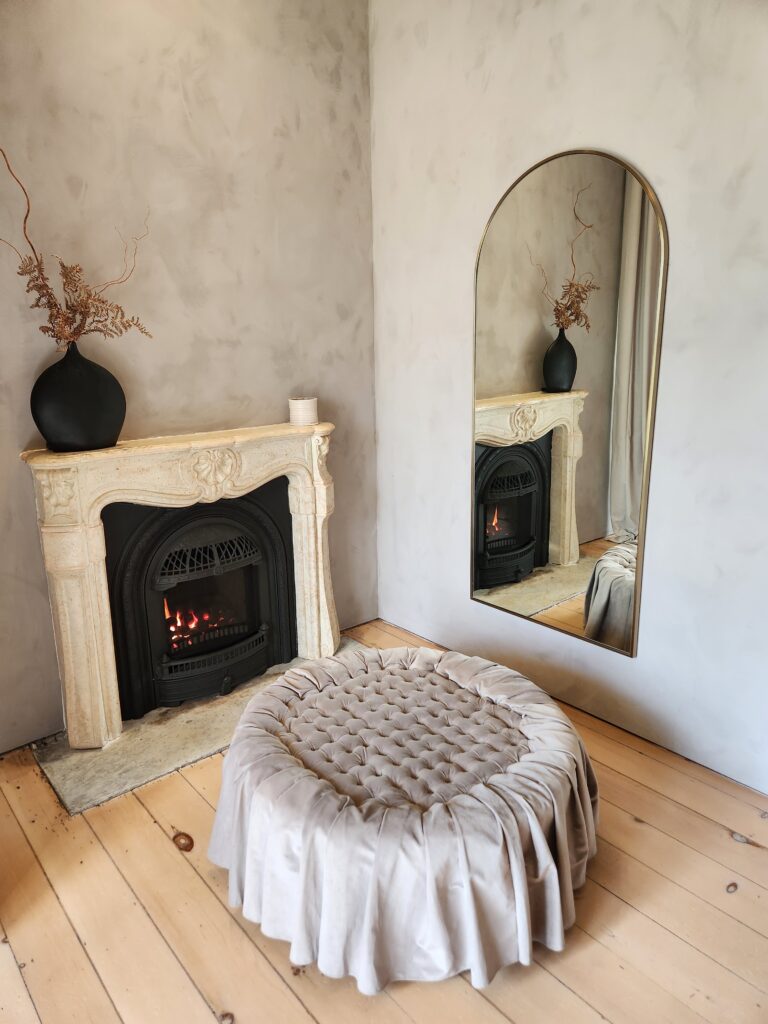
[465,98]
[244,129]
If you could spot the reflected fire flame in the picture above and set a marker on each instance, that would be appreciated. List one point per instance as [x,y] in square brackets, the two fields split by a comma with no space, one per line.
[187,626]
[493,526]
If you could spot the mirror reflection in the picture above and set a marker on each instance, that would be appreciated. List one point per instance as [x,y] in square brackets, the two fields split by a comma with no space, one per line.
[569,300]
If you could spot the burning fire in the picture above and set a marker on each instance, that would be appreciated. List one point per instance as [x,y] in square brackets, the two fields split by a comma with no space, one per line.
[493,526]
[186,625]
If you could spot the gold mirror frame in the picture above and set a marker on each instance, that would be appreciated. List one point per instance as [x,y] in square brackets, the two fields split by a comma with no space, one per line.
[653,395]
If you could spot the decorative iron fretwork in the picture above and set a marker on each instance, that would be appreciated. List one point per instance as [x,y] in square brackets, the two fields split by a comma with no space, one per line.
[192,562]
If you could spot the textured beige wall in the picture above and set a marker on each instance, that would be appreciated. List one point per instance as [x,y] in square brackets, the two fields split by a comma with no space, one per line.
[467,96]
[514,319]
[244,126]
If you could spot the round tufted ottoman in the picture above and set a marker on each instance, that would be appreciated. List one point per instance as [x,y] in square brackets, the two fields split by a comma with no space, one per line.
[406,814]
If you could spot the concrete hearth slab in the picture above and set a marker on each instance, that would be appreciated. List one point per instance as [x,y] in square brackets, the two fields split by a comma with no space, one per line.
[159,743]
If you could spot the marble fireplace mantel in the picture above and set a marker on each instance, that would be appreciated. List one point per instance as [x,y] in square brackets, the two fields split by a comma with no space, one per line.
[71,490]
[516,419]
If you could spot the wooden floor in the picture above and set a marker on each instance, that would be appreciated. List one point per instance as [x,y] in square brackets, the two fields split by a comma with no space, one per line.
[103,919]
[569,615]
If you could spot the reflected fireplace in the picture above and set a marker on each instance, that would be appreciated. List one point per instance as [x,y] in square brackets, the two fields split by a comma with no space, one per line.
[202,598]
[512,485]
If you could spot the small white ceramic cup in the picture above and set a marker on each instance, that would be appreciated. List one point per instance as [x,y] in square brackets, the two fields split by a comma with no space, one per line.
[302,412]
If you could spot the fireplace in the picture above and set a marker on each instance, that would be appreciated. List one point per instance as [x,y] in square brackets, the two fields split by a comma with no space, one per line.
[72,490]
[202,598]
[512,486]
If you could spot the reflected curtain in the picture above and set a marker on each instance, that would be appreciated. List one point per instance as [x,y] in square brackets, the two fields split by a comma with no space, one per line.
[637,313]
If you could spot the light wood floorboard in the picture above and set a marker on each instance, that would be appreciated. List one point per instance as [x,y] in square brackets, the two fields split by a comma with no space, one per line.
[95,896]
[568,615]
[103,919]
[16,1006]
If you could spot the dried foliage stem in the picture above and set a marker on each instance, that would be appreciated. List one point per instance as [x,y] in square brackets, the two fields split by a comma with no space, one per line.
[584,227]
[127,270]
[26,197]
[570,309]
[84,309]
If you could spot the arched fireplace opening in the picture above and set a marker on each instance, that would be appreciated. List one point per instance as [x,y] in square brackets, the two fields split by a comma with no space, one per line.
[512,485]
[202,598]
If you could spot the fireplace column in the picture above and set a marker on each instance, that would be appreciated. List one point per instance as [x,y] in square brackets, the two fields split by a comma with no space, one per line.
[311,506]
[75,565]
[567,446]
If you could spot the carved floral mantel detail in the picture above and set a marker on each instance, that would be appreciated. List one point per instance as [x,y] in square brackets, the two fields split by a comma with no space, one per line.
[214,469]
[518,419]
[522,424]
[59,493]
[71,490]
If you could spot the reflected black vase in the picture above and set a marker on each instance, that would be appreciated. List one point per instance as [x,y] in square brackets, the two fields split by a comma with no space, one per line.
[77,405]
[559,364]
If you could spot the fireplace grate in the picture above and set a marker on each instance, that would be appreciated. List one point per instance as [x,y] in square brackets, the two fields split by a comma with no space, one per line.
[211,636]
[192,562]
[508,544]
[204,662]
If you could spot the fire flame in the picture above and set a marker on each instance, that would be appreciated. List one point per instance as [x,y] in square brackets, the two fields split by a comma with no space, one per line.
[493,526]
[185,624]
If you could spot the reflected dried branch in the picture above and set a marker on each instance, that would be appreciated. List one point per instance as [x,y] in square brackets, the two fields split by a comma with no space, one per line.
[584,226]
[570,309]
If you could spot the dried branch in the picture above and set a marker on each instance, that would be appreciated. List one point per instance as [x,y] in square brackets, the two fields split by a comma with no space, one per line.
[12,246]
[26,196]
[584,226]
[570,309]
[545,288]
[127,271]
[84,310]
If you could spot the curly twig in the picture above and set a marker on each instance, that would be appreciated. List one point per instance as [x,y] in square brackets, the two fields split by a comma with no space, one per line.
[584,227]
[12,246]
[29,205]
[545,290]
[127,271]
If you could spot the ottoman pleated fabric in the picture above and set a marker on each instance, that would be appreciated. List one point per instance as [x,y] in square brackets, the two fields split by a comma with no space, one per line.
[406,814]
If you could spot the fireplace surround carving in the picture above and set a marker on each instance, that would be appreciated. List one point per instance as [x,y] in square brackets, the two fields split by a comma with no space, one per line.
[173,472]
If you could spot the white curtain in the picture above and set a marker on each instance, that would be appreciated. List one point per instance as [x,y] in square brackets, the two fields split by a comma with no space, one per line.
[636,324]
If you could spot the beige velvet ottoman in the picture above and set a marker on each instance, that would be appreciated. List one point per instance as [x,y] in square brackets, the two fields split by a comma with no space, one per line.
[406,814]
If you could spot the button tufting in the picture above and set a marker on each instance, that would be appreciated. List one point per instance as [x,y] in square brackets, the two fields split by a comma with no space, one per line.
[413,738]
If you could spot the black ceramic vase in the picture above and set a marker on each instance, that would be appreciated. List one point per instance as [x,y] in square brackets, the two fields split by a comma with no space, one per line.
[559,364]
[77,405]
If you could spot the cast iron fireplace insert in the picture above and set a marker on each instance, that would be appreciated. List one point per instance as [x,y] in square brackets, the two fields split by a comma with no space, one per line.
[202,598]
[512,485]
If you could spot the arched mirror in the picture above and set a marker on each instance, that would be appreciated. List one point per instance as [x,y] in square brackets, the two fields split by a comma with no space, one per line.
[570,286]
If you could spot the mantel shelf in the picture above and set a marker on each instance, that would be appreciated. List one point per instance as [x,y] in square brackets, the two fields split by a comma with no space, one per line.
[42,457]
